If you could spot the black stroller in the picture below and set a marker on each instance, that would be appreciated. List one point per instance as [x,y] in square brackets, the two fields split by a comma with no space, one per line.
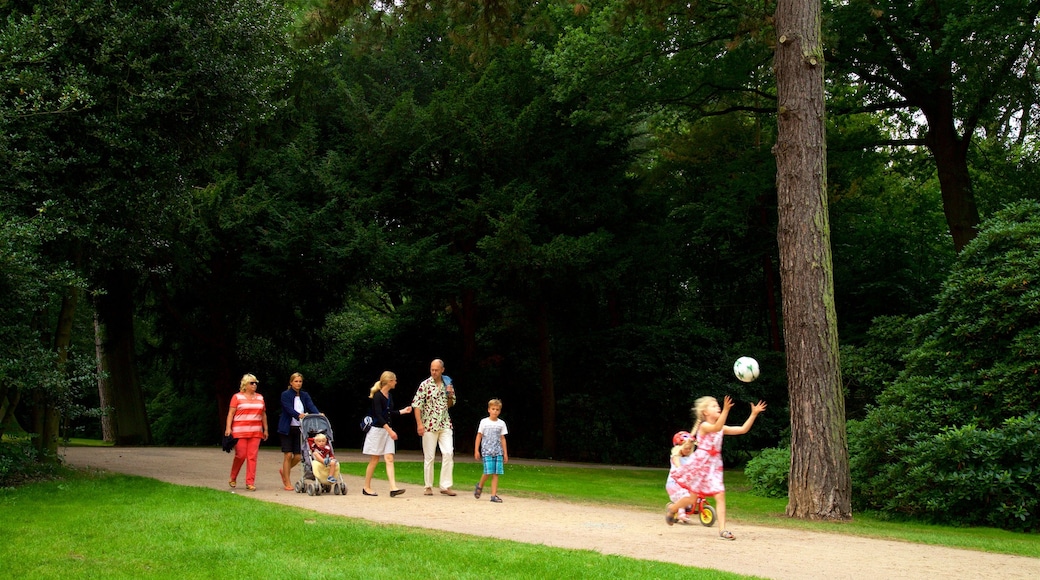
[310,426]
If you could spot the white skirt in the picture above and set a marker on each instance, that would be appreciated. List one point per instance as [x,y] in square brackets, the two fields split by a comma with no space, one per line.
[378,442]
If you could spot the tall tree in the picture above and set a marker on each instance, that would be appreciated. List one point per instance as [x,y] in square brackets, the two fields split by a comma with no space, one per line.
[943,71]
[819,483]
[105,104]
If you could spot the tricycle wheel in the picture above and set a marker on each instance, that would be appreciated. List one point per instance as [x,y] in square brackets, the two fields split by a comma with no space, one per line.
[707,515]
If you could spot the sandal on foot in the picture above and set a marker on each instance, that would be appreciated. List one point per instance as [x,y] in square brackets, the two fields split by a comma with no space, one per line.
[726,535]
[250,487]
[669,516]
[231,483]
[477,490]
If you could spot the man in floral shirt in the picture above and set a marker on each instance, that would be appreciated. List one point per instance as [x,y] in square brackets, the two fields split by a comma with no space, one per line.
[431,403]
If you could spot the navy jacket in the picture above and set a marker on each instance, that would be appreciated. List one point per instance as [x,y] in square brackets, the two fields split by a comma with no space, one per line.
[289,413]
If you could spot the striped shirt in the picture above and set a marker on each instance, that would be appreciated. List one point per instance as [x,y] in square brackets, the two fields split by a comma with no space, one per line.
[249,416]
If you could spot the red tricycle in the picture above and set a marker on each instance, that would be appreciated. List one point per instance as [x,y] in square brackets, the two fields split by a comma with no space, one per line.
[704,510]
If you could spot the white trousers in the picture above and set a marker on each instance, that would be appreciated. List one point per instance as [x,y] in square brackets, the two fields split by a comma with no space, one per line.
[446,441]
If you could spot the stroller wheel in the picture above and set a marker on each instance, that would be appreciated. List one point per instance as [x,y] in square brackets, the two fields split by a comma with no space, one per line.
[310,489]
[299,487]
[343,489]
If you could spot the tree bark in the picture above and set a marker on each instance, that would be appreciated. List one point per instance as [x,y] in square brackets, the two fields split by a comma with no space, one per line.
[108,432]
[46,407]
[950,151]
[819,481]
[115,312]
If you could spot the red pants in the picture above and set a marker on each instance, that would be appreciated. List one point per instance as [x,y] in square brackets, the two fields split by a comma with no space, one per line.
[246,451]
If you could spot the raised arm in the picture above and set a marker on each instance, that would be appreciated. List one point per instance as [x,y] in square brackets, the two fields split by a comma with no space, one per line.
[720,423]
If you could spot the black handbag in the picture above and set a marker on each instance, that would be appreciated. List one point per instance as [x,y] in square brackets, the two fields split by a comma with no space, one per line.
[228,443]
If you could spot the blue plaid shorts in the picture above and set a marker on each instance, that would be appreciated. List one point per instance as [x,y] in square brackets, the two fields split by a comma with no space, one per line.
[493,465]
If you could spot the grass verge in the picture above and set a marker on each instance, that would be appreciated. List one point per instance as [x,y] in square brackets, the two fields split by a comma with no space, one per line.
[96,525]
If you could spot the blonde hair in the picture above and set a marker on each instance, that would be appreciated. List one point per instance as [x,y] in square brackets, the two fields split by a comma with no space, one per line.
[495,403]
[291,377]
[677,449]
[384,378]
[700,406]
[246,379]
[321,436]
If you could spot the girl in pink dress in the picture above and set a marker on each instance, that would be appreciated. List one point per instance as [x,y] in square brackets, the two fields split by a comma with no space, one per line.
[702,476]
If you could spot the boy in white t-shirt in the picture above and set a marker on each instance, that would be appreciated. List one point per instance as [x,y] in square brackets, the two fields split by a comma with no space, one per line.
[491,444]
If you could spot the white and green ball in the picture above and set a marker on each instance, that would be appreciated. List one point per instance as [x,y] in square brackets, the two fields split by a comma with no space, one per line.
[746,369]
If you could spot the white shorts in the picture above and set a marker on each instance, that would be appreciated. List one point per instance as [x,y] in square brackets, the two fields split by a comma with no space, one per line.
[378,442]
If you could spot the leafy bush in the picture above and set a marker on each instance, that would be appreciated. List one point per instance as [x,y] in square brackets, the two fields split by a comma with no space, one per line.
[768,473]
[949,438]
[972,476]
[20,462]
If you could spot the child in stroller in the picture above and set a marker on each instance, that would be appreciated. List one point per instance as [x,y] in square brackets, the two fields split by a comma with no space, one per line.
[321,469]
[323,459]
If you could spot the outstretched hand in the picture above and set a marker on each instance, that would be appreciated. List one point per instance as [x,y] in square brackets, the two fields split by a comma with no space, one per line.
[758,407]
[727,403]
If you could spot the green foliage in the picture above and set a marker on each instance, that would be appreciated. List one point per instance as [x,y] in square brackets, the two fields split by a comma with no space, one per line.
[20,463]
[168,531]
[889,235]
[29,285]
[868,368]
[967,397]
[962,475]
[768,472]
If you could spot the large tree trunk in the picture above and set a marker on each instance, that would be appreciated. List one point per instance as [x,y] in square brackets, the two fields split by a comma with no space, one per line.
[47,413]
[115,312]
[819,483]
[108,432]
[950,151]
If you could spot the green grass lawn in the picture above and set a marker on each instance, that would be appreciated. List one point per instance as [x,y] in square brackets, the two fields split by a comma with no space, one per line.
[116,526]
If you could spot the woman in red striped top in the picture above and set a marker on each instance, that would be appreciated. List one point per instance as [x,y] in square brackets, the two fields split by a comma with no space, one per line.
[247,422]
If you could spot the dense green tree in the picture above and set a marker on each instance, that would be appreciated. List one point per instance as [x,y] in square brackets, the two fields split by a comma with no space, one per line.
[944,73]
[103,104]
[29,366]
[965,402]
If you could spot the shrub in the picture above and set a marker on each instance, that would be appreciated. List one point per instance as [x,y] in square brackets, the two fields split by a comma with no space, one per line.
[768,472]
[949,438]
[20,462]
[969,475]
